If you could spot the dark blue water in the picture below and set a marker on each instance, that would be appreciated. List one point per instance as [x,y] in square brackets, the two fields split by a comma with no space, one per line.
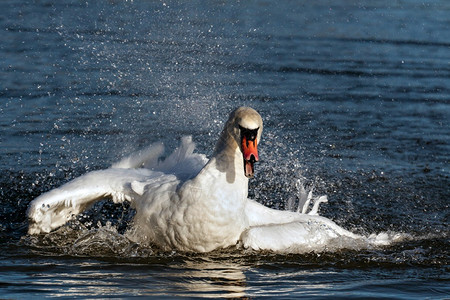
[356,102]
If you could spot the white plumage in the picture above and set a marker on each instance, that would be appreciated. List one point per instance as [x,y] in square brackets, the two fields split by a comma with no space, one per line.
[189,203]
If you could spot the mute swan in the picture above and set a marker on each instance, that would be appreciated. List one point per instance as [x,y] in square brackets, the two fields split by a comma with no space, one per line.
[189,203]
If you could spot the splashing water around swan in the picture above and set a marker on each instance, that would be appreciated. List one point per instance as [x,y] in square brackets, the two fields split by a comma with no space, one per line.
[188,203]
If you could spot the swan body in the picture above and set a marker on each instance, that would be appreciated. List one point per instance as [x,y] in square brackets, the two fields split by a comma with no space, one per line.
[187,202]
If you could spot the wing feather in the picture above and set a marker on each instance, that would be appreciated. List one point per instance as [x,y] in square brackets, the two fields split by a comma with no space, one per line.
[54,208]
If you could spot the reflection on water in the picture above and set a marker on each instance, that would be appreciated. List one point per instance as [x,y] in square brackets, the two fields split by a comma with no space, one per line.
[228,273]
[212,279]
[193,277]
[150,272]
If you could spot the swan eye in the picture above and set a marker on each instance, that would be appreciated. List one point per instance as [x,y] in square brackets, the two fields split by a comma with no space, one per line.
[249,134]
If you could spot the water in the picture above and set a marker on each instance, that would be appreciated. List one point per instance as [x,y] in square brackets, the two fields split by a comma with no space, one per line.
[355,100]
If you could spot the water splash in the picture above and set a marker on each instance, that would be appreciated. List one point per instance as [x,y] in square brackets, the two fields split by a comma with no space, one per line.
[77,239]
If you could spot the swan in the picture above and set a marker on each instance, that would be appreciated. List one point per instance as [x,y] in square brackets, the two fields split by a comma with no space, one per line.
[189,203]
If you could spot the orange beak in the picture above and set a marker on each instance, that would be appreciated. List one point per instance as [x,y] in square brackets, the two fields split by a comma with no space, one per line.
[250,152]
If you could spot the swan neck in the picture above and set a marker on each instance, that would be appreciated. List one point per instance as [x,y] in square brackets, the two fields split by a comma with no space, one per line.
[226,145]
[228,158]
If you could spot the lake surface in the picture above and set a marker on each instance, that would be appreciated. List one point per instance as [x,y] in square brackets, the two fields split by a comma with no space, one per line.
[355,97]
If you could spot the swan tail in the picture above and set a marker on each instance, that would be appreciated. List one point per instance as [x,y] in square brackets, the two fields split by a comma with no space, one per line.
[183,162]
[58,206]
[147,158]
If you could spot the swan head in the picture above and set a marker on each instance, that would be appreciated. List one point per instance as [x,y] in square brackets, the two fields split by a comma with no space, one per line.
[245,126]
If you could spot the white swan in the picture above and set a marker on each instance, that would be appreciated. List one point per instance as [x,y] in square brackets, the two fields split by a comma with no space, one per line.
[189,203]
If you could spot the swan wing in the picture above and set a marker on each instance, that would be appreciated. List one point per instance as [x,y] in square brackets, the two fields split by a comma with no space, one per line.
[278,230]
[308,233]
[129,179]
[54,208]
[258,214]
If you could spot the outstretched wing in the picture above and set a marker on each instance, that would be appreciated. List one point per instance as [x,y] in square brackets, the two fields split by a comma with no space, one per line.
[56,207]
[125,180]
